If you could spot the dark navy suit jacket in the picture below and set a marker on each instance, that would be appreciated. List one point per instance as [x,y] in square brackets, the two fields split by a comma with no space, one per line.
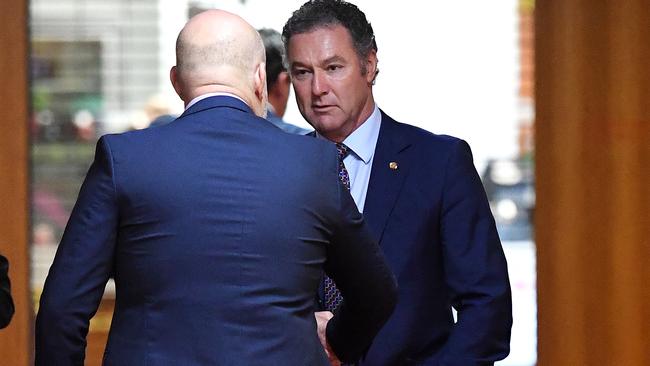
[216,228]
[434,225]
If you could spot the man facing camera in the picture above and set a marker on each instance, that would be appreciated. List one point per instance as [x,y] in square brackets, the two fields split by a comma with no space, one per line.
[419,193]
[216,228]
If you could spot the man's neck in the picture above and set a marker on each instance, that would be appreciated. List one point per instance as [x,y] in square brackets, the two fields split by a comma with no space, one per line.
[212,89]
[212,94]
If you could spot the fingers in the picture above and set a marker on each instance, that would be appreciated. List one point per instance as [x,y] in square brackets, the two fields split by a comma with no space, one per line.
[322,317]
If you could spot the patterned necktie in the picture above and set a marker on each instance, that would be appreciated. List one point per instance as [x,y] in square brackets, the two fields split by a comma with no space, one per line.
[333,297]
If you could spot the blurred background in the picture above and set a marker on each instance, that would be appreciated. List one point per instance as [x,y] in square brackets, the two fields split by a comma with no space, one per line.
[459,68]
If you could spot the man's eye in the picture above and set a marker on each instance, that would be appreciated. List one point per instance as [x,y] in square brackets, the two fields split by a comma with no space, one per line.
[300,73]
[334,67]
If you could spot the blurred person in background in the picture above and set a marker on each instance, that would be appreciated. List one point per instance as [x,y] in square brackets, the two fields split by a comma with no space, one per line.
[217,228]
[419,192]
[157,112]
[277,81]
[85,125]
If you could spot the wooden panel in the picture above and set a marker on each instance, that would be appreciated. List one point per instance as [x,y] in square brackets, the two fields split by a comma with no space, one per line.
[15,340]
[98,332]
[593,166]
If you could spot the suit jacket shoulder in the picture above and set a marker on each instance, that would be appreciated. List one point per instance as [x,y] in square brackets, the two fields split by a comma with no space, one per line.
[410,134]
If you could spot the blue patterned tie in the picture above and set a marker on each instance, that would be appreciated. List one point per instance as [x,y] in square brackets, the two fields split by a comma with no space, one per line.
[343,173]
[333,297]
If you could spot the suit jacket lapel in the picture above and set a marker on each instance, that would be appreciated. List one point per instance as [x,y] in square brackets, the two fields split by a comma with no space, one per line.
[385,181]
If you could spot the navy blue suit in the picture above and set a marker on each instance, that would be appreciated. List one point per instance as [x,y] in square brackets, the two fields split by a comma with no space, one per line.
[434,225]
[216,228]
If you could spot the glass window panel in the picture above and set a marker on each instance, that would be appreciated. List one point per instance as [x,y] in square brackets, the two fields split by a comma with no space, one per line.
[462,68]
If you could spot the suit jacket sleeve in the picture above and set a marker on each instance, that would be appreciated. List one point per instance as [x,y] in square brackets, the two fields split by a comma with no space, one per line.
[6,303]
[81,268]
[368,286]
[475,268]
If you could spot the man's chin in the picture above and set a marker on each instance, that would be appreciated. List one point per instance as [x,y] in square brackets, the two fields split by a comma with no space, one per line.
[325,122]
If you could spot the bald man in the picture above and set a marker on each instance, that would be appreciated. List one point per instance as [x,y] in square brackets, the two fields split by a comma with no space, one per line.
[217,228]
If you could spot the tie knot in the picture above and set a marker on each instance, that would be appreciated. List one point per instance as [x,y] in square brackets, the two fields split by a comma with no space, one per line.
[342,150]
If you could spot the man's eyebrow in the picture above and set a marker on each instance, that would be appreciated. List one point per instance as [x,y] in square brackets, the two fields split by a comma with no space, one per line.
[332,59]
[325,62]
[297,64]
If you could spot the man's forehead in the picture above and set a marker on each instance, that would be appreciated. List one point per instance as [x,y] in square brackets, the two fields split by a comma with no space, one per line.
[324,42]
[335,30]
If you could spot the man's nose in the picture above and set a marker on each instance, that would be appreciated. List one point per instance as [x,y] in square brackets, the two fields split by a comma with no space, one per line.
[319,84]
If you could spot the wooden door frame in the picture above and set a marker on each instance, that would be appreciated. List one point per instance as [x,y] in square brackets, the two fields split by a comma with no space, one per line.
[15,340]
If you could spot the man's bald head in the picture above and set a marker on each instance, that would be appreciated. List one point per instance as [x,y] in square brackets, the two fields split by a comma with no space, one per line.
[218,51]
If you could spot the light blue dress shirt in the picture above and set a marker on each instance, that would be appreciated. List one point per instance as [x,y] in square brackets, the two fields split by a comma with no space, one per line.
[362,143]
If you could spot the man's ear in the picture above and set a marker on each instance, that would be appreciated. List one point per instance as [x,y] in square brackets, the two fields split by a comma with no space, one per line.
[259,81]
[173,77]
[371,66]
[282,85]
[279,93]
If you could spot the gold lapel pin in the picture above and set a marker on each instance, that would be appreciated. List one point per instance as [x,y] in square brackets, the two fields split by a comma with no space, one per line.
[392,165]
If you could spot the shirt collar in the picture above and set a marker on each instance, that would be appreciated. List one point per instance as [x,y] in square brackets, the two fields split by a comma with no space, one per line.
[208,95]
[363,140]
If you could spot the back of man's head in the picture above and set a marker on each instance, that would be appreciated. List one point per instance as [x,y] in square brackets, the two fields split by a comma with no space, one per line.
[274,54]
[278,82]
[218,51]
